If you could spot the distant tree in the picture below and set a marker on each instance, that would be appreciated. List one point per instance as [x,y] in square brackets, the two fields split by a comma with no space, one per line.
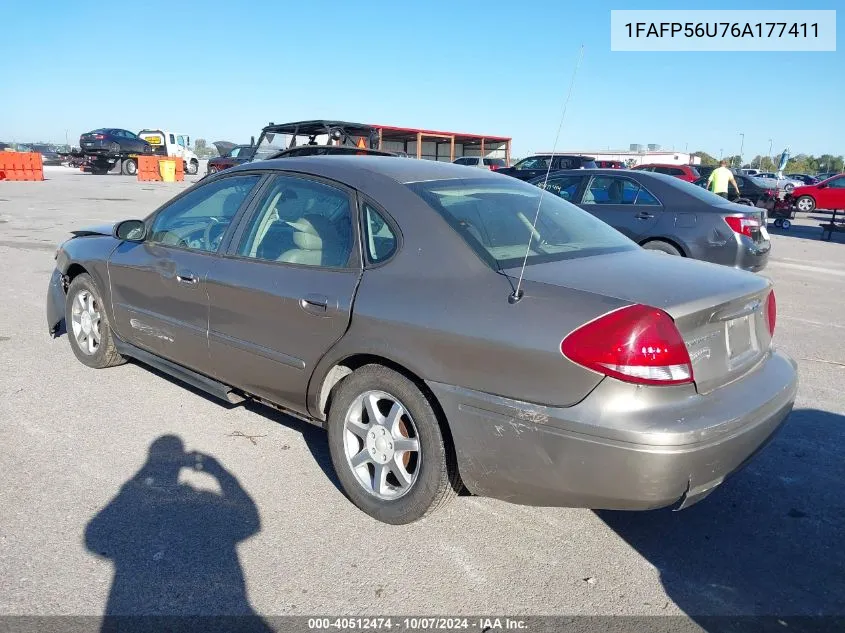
[706,159]
[199,144]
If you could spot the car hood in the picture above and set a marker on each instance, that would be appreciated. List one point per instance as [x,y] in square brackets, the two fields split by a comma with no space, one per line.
[223,147]
[98,229]
[677,285]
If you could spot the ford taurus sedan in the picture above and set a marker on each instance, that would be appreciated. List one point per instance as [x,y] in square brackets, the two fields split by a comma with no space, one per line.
[386,301]
[667,214]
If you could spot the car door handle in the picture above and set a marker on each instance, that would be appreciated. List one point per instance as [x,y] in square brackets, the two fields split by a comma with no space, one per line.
[186,278]
[642,215]
[315,304]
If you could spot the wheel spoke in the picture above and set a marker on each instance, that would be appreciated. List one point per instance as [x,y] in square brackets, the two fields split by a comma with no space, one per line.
[405,444]
[360,459]
[371,405]
[399,470]
[357,428]
[90,304]
[81,299]
[393,418]
[380,478]
[95,331]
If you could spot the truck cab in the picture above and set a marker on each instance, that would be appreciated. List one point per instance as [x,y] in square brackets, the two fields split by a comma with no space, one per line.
[166,143]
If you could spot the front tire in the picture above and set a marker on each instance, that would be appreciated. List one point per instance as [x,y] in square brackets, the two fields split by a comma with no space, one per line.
[192,168]
[88,325]
[388,448]
[805,204]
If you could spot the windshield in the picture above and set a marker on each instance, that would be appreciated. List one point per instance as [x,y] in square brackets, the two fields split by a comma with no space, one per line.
[270,144]
[536,162]
[495,218]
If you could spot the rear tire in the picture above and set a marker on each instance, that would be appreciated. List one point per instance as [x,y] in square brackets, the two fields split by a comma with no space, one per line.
[129,167]
[356,436]
[785,224]
[87,325]
[192,168]
[663,247]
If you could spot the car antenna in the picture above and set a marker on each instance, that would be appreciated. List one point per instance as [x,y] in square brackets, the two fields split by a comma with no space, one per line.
[517,293]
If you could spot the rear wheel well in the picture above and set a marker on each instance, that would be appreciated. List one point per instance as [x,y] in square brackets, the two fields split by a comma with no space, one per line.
[349,364]
[665,241]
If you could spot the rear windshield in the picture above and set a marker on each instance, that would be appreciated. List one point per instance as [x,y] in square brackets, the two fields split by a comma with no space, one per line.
[495,217]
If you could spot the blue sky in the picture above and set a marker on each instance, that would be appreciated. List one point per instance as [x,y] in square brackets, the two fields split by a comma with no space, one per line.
[222,70]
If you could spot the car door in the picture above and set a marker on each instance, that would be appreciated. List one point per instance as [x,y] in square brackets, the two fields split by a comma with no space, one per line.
[832,195]
[159,299]
[623,203]
[282,295]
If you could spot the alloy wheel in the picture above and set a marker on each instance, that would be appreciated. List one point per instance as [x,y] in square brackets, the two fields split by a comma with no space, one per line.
[85,322]
[382,445]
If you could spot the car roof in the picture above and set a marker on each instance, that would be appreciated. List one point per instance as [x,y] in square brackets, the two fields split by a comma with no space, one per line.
[665,165]
[343,168]
[316,125]
[636,173]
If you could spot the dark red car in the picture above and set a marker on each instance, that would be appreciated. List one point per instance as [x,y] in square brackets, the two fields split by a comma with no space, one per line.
[684,172]
[610,164]
[230,155]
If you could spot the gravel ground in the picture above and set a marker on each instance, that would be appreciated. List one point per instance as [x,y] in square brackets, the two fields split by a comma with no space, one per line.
[768,542]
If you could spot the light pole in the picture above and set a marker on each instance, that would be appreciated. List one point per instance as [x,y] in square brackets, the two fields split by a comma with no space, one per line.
[720,153]
[741,146]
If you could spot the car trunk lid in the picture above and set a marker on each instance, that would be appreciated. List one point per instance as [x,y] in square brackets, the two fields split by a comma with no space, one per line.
[719,311]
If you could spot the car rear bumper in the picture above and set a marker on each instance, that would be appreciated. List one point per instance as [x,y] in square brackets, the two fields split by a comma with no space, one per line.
[623,447]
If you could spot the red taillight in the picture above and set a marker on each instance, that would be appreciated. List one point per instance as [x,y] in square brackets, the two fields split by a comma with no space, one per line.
[494,167]
[771,312]
[99,137]
[636,344]
[743,226]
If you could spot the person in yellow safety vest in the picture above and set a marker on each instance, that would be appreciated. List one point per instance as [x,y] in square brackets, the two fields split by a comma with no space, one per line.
[719,179]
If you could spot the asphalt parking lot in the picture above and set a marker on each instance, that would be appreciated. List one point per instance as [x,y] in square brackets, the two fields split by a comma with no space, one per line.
[768,542]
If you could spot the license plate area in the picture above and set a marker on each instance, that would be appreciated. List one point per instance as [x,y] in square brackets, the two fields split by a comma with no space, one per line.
[741,338]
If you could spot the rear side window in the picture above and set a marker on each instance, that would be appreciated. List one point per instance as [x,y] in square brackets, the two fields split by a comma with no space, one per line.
[381,241]
[495,219]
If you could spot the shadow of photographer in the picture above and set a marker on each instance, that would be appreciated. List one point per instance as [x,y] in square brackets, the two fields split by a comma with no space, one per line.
[173,546]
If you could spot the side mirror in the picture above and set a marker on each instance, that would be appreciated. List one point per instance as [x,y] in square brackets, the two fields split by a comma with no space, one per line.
[130,230]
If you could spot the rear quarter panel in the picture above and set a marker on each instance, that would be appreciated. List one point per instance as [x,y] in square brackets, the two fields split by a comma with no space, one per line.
[438,310]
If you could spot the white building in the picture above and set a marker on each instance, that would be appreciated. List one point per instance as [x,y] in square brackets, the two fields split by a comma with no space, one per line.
[638,155]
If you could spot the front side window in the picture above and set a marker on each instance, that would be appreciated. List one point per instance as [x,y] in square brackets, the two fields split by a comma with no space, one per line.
[838,183]
[301,221]
[199,220]
[380,238]
[129,134]
[495,219]
[172,140]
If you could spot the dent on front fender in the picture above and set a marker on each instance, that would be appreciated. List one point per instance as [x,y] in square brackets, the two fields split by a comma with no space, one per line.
[55,304]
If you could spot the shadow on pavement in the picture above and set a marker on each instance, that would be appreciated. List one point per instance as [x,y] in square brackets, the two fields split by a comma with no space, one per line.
[173,546]
[770,542]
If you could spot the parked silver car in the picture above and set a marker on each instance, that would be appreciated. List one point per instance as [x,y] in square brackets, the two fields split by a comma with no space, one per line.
[386,301]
